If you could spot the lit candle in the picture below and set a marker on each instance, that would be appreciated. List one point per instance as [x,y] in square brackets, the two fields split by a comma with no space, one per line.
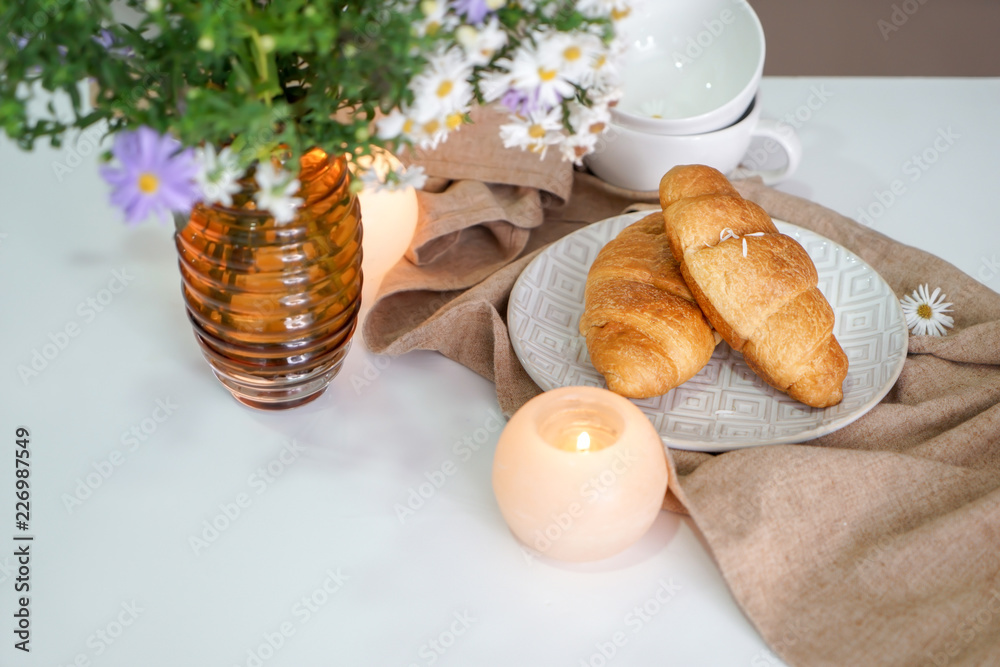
[579,473]
[390,219]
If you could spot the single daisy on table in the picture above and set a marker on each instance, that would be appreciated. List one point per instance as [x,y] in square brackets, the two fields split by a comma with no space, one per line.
[218,174]
[276,189]
[925,311]
[154,175]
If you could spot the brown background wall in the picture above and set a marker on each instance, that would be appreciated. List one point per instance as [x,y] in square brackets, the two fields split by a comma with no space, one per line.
[844,37]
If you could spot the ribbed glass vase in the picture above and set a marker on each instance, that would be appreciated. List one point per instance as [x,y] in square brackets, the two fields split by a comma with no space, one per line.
[274,306]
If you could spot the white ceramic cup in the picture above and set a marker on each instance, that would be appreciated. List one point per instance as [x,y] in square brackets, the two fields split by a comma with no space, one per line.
[691,66]
[637,161]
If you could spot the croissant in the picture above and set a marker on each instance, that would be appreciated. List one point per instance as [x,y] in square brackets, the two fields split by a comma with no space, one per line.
[756,286]
[644,331]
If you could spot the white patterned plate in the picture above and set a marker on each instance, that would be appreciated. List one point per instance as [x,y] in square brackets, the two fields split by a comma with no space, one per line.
[725,406]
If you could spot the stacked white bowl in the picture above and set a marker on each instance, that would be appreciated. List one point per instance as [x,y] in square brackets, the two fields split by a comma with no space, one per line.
[690,79]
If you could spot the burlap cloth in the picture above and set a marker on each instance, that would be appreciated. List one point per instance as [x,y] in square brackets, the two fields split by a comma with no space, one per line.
[878,544]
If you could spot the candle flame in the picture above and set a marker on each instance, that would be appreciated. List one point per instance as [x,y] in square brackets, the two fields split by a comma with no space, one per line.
[583,442]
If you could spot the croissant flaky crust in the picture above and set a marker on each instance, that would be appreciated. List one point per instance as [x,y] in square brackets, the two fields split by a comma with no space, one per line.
[644,331]
[756,286]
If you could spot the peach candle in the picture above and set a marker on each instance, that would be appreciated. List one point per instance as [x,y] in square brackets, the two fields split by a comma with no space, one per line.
[579,473]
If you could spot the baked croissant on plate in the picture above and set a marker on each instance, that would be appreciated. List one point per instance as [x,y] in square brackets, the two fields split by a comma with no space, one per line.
[756,286]
[644,331]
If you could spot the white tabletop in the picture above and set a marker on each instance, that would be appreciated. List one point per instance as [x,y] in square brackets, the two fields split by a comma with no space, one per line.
[318,568]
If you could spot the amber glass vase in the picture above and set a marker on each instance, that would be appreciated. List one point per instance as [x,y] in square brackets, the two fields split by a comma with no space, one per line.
[274,306]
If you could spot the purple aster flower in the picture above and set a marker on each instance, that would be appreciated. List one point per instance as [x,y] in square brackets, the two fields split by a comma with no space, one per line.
[107,39]
[20,42]
[474,11]
[155,175]
[520,102]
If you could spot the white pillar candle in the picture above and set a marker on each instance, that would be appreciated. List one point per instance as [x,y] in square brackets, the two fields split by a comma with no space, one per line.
[579,473]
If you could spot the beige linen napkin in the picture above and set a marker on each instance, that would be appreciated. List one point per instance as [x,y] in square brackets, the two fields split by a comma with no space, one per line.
[878,544]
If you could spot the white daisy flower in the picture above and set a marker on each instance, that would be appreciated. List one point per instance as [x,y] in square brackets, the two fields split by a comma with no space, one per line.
[615,9]
[443,87]
[276,189]
[494,84]
[467,36]
[550,10]
[576,146]
[589,120]
[426,131]
[588,124]
[573,52]
[593,8]
[536,132]
[925,312]
[392,125]
[218,174]
[604,97]
[536,72]
[410,177]
[602,77]
[482,43]
[400,179]
[428,134]
[436,18]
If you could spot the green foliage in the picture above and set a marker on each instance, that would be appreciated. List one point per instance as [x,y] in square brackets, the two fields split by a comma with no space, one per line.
[298,73]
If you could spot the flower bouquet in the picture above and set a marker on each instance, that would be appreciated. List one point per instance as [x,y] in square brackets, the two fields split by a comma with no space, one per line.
[245,119]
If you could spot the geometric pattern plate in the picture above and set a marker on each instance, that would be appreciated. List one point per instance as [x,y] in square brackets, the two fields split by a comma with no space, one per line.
[725,406]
